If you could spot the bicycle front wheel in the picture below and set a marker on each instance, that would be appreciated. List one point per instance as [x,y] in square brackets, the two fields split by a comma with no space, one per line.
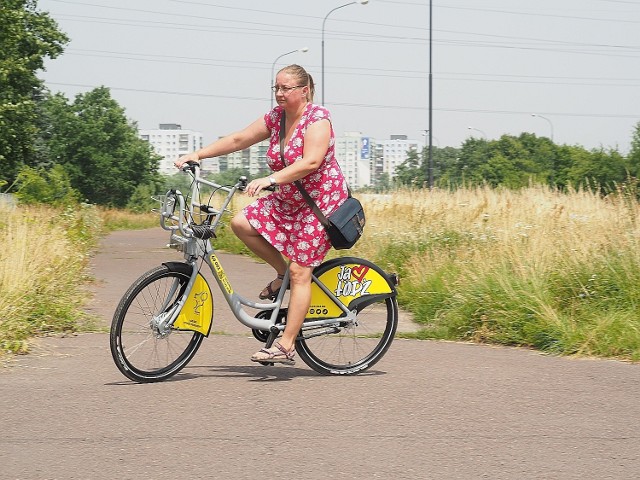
[351,347]
[141,350]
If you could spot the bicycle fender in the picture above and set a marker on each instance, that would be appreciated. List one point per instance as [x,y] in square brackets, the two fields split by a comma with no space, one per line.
[354,281]
[179,267]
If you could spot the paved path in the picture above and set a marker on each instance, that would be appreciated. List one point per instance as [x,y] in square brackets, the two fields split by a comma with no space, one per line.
[428,410]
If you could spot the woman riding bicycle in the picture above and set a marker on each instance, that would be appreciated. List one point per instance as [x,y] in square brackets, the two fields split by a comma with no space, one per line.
[282,223]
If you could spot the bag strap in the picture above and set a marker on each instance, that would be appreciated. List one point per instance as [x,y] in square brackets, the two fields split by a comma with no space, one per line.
[298,183]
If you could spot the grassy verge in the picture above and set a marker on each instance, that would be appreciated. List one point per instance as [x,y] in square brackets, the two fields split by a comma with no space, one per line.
[113,219]
[42,271]
[556,272]
[536,268]
[43,267]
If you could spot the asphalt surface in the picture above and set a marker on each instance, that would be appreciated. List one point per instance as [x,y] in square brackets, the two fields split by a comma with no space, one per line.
[427,410]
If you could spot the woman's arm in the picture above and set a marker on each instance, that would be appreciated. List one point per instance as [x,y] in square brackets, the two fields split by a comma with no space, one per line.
[252,134]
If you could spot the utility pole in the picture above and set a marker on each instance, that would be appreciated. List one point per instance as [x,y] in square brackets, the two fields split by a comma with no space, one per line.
[430,173]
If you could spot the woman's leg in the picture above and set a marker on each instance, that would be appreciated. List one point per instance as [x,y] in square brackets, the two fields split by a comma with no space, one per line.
[299,301]
[258,245]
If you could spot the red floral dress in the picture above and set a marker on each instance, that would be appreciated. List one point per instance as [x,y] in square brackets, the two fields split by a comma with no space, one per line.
[283,217]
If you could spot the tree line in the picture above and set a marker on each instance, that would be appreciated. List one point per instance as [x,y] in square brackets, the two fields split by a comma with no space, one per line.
[519,161]
[56,150]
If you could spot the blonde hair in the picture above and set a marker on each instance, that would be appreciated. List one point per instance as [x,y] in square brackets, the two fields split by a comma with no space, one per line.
[303,78]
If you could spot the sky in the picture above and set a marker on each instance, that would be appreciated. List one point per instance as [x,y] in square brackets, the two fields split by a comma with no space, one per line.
[207,65]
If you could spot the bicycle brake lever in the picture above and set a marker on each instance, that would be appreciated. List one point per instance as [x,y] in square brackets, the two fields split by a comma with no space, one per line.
[190,165]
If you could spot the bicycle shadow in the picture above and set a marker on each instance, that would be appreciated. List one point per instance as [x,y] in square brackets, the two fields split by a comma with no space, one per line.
[259,373]
[253,373]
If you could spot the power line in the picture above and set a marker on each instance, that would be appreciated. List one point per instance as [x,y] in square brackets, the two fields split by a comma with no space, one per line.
[536,14]
[376,38]
[357,105]
[370,72]
[350,22]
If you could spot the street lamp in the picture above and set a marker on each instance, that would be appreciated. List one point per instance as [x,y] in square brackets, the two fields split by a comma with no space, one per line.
[545,118]
[273,67]
[478,130]
[427,135]
[553,162]
[430,163]
[361,2]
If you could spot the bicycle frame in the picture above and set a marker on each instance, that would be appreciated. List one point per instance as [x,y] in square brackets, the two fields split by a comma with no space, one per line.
[187,238]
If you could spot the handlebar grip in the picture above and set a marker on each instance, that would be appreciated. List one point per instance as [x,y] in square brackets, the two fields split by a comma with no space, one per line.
[190,165]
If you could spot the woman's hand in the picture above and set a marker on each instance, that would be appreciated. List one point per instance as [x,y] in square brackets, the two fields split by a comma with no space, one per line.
[257,185]
[189,157]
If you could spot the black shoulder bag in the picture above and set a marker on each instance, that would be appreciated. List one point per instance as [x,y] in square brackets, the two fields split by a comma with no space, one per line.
[346,224]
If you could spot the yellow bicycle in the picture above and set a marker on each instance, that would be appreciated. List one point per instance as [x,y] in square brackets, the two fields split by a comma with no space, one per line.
[163,317]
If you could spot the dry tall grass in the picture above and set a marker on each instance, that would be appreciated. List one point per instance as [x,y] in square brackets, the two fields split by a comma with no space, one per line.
[41,271]
[531,267]
[534,226]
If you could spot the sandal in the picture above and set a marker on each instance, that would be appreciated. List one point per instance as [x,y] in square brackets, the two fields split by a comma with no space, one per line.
[275,354]
[271,293]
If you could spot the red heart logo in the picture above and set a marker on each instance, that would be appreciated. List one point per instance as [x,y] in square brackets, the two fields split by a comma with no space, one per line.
[359,272]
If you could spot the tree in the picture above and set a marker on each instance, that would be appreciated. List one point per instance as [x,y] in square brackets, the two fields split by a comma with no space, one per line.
[45,186]
[27,37]
[597,169]
[99,148]
[230,177]
[446,168]
[409,173]
[633,159]
[473,156]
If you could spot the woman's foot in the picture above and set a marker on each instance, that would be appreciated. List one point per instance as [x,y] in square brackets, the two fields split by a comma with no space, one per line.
[270,292]
[275,354]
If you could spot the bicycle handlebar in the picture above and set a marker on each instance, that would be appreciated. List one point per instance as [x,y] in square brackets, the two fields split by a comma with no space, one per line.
[182,221]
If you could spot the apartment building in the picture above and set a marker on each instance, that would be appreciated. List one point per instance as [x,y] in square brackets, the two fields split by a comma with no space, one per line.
[362,159]
[394,152]
[170,141]
[353,152]
[253,160]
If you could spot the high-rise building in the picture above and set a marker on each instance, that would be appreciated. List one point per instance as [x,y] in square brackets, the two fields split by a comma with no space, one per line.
[253,159]
[363,160]
[395,152]
[170,141]
[353,152]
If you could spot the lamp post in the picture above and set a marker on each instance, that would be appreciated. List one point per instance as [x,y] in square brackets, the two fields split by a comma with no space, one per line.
[273,67]
[362,2]
[553,162]
[430,164]
[478,130]
[545,118]
[427,134]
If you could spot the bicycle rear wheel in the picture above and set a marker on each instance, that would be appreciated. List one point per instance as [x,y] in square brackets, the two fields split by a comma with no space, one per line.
[140,350]
[350,348]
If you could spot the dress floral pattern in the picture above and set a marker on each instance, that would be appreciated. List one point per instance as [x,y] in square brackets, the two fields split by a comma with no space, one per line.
[283,217]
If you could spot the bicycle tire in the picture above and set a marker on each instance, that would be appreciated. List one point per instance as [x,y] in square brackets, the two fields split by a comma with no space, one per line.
[139,352]
[356,347]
